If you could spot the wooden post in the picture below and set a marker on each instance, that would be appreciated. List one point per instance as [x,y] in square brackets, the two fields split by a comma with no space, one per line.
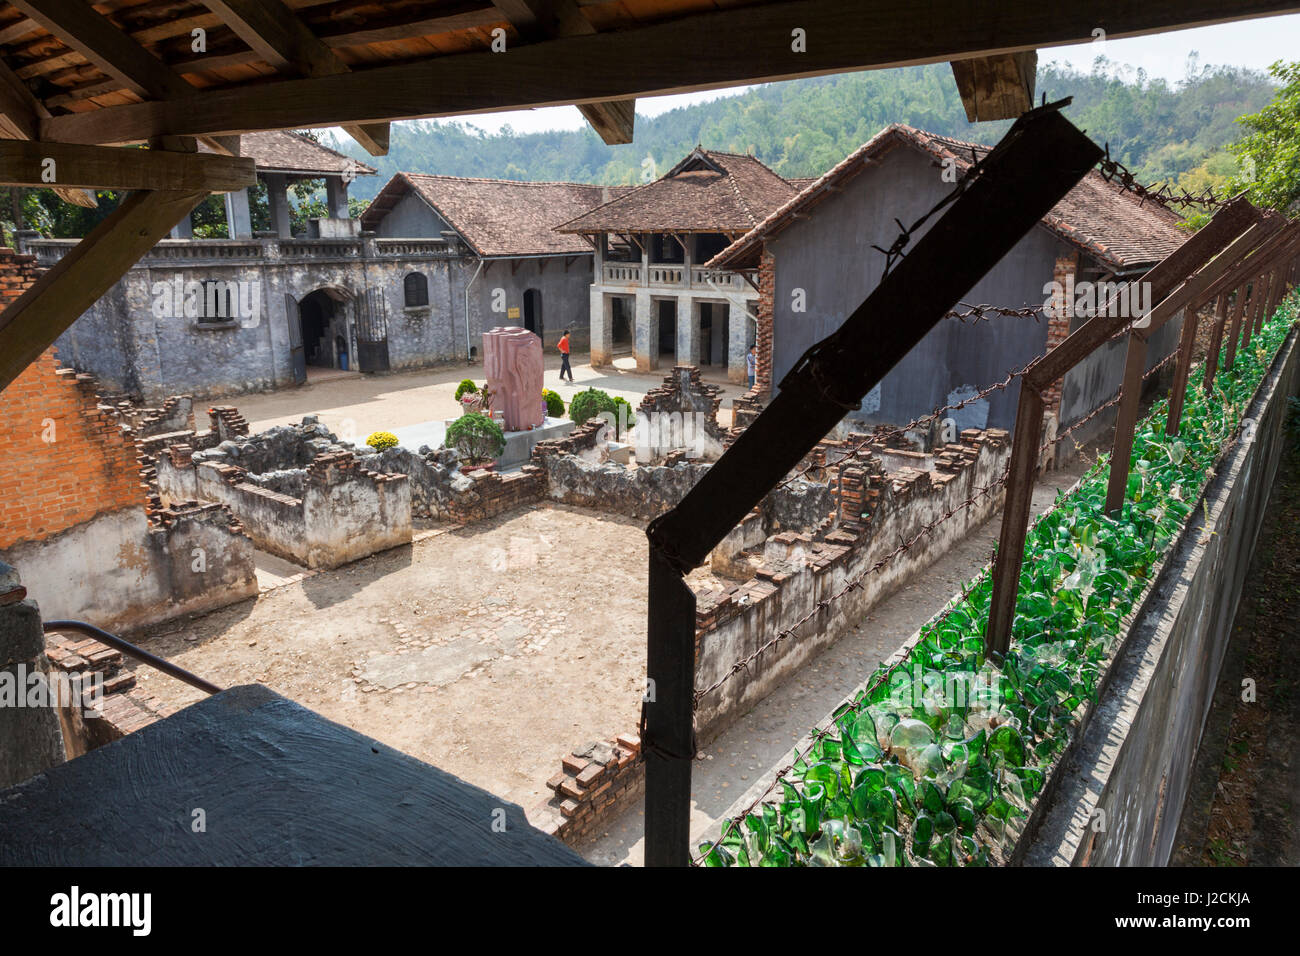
[1234,224]
[1130,400]
[1216,344]
[1183,368]
[58,298]
[1039,160]
[1234,330]
[1015,520]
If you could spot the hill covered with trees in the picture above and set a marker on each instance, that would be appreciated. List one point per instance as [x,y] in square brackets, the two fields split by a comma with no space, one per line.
[803,127]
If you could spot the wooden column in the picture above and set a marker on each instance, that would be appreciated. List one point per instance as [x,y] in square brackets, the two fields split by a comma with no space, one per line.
[1234,330]
[1130,400]
[1183,368]
[1216,344]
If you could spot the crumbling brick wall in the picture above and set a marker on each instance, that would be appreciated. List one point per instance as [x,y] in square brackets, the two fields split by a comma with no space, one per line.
[595,782]
[680,414]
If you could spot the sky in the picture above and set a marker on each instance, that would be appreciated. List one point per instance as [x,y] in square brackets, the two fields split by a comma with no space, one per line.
[1249,43]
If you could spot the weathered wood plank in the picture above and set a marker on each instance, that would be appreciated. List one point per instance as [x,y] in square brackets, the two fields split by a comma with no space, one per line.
[24,163]
[996,87]
[35,319]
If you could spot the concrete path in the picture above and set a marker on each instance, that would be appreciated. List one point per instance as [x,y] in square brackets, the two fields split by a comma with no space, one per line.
[732,763]
[354,406]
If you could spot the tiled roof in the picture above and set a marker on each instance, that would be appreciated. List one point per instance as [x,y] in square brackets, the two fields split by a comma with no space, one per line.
[280,151]
[499,217]
[706,192]
[1104,220]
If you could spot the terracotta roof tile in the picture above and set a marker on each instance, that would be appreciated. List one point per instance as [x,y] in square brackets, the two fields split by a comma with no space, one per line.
[708,191]
[1103,219]
[281,151]
[499,217]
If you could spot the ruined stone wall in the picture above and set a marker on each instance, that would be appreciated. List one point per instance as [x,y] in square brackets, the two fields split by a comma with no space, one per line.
[595,782]
[681,414]
[298,493]
[878,510]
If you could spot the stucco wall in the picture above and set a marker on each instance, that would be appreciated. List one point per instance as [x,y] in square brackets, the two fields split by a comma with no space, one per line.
[118,573]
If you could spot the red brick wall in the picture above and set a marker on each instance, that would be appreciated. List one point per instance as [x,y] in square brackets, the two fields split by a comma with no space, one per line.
[763,332]
[1058,324]
[88,468]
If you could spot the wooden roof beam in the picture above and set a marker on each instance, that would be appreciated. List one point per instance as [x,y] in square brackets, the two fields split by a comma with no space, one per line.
[24,163]
[20,117]
[40,315]
[704,51]
[284,41]
[95,37]
[613,120]
[997,87]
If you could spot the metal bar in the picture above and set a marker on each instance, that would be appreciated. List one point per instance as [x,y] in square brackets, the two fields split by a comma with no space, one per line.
[1042,157]
[1135,361]
[113,641]
[1183,368]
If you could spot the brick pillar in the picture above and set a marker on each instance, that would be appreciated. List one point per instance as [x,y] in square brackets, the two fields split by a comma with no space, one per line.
[602,328]
[763,336]
[32,736]
[688,331]
[1058,323]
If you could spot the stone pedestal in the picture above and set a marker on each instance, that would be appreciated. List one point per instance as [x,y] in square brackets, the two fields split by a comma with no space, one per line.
[512,361]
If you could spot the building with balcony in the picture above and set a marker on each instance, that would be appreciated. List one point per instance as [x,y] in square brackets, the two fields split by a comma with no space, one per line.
[652,295]
[433,263]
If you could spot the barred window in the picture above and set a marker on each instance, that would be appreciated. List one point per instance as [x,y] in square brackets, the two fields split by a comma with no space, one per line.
[416,289]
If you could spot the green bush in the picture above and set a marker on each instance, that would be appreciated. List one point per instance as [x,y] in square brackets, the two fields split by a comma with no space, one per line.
[589,404]
[477,437]
[466,385]
[554,404]
[381,440]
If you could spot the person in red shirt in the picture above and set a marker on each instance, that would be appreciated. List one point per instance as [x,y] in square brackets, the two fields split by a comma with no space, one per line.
[564,357]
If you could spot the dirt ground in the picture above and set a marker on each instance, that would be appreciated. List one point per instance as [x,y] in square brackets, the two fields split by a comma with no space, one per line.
[489,652]
[353,405]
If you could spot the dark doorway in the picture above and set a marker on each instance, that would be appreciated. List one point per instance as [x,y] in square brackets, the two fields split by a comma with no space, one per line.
[317,312]
[533,313]
[667,346]
[621,324]
[714,331]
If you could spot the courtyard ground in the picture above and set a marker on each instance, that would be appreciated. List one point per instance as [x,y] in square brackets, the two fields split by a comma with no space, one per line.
[489,652]
[353,405]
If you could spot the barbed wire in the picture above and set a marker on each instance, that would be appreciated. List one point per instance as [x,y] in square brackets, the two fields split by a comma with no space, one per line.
[1166,195]
[984,312]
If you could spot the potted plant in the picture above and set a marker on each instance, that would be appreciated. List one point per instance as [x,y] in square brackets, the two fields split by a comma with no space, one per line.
[478,439]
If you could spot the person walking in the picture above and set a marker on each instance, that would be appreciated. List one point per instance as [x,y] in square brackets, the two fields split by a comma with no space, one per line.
[564,357]
[751,365]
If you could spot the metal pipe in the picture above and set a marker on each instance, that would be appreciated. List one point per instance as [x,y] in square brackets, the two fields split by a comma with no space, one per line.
[472,279]
[115,642]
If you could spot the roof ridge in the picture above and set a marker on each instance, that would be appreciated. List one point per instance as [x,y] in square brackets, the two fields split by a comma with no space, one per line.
[510,182]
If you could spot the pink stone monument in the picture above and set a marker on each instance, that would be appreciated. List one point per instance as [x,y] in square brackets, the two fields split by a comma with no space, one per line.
[512,361]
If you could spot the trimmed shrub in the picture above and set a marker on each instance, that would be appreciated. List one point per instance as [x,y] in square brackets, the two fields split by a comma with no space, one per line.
[466,385]
[476,437]
[554,404]
[589,404]
[381,440]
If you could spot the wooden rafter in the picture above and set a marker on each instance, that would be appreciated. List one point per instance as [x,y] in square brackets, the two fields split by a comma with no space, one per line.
[700,51]
[24,163]
[284,41]
[20,117]
[996,87]
[613,120]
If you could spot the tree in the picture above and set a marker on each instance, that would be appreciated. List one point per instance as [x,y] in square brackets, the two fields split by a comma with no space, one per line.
[1269,155]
